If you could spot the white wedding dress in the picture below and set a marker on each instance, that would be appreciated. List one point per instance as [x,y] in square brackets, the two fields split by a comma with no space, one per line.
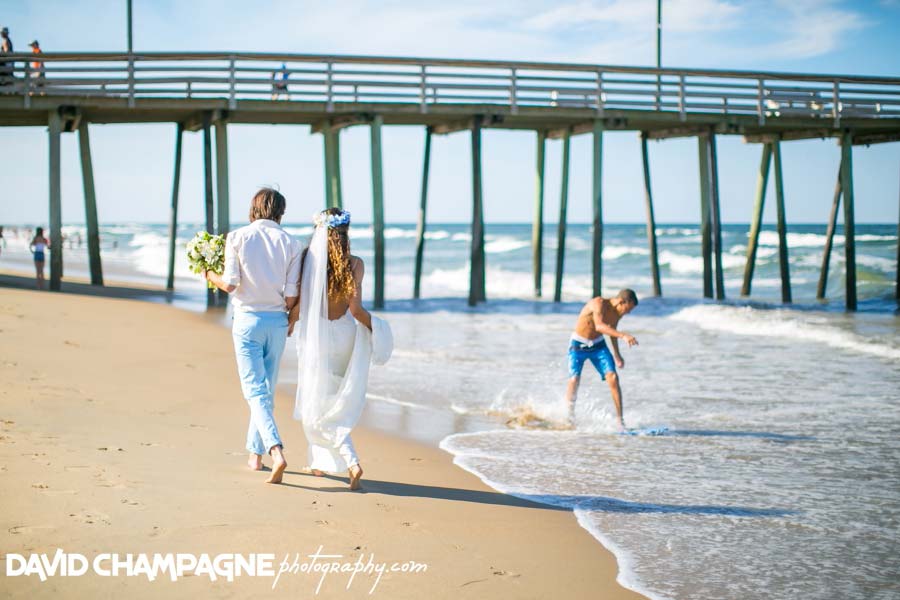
[333,366]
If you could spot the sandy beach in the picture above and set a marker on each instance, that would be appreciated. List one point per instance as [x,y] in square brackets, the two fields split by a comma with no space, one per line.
[122,432]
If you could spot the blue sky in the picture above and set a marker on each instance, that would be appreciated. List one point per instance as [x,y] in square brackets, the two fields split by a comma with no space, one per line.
[133,164]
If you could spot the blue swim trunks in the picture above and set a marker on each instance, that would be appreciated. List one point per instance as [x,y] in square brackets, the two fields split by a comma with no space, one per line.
[598,353]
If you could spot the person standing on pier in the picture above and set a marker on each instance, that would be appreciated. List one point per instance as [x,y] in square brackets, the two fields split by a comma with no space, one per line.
[6,47]
[37,66]
[600,316]
[262,268]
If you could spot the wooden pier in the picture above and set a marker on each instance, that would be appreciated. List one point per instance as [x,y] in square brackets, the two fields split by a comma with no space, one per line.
[204,92]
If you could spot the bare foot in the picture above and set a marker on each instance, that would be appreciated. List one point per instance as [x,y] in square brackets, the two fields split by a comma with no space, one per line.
[317,472]
[279,464]
[355,475]
[255,462]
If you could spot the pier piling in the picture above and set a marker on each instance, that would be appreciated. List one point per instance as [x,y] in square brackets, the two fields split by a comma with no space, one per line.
[377,209]
[537,228]
[597,198]
[477,267]
[762,182]
[90,204]
[705,234]
[651,221]
[561,227]
[715,215]
[222,202]
[173,214]
[331,138]
[829,239]
[782,225]
[423,205]
[208,194]
[849,223]
[54,128]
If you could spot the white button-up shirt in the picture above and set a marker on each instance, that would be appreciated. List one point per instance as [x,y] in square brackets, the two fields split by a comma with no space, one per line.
[263,261]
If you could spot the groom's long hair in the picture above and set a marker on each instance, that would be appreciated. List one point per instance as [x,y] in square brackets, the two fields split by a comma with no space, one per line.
[341,283]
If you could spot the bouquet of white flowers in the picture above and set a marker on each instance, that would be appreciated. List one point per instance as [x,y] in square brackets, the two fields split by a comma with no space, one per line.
[206,252]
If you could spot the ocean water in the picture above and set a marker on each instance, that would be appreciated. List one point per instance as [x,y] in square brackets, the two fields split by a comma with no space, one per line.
[778,474]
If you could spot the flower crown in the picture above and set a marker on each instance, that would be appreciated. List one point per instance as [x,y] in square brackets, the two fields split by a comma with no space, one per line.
[332,221]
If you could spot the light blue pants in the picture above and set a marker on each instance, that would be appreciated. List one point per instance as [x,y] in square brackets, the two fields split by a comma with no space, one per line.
[259,339]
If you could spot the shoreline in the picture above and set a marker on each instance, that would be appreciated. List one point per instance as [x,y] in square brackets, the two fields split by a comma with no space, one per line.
[68,483]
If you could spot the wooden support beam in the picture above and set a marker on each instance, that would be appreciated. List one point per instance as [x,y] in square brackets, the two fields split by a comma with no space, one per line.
[597,201]
[849,222]
[340,122]
[208,195]
[90,204]
[676,132]
[897,288]
[477,291]
[715,216]
[867,139]
[423,206]
[223,220]
[54,128]
[789,135]
[651,221]
[762,182]
[173,214]
[829,239]
[561,227]
[452,127]
[705,233]
[537,227]
[782,225]
[377,209]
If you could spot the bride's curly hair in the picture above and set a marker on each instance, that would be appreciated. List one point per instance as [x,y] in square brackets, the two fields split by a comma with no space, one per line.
[341,283]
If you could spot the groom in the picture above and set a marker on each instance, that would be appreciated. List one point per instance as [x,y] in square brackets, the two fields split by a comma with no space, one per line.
[262,268]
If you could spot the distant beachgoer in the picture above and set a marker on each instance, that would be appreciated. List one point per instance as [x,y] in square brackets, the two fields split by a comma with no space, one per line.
[598,317]
[6,47]
[262,267]
[38,245]
[280,82]
[2,239]
[37,66]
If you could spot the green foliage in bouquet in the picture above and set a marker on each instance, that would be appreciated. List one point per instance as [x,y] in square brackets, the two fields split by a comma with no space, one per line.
[206,252]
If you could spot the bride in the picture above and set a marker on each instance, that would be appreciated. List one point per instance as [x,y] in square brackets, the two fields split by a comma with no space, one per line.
[337,341]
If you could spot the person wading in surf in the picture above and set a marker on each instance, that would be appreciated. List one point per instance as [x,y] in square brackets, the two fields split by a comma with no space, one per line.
[600,316]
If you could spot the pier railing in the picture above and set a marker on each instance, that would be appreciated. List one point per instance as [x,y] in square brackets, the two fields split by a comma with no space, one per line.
[427,83]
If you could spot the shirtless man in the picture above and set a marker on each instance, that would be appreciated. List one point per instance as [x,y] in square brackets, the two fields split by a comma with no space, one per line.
[600,316]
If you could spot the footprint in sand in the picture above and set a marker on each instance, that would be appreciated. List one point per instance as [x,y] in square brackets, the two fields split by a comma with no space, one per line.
[321,522]
[149,444]
[91,518]
[128,502]
[386,507]
[504,573]
[20,529]
[201,427]
[40,486]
